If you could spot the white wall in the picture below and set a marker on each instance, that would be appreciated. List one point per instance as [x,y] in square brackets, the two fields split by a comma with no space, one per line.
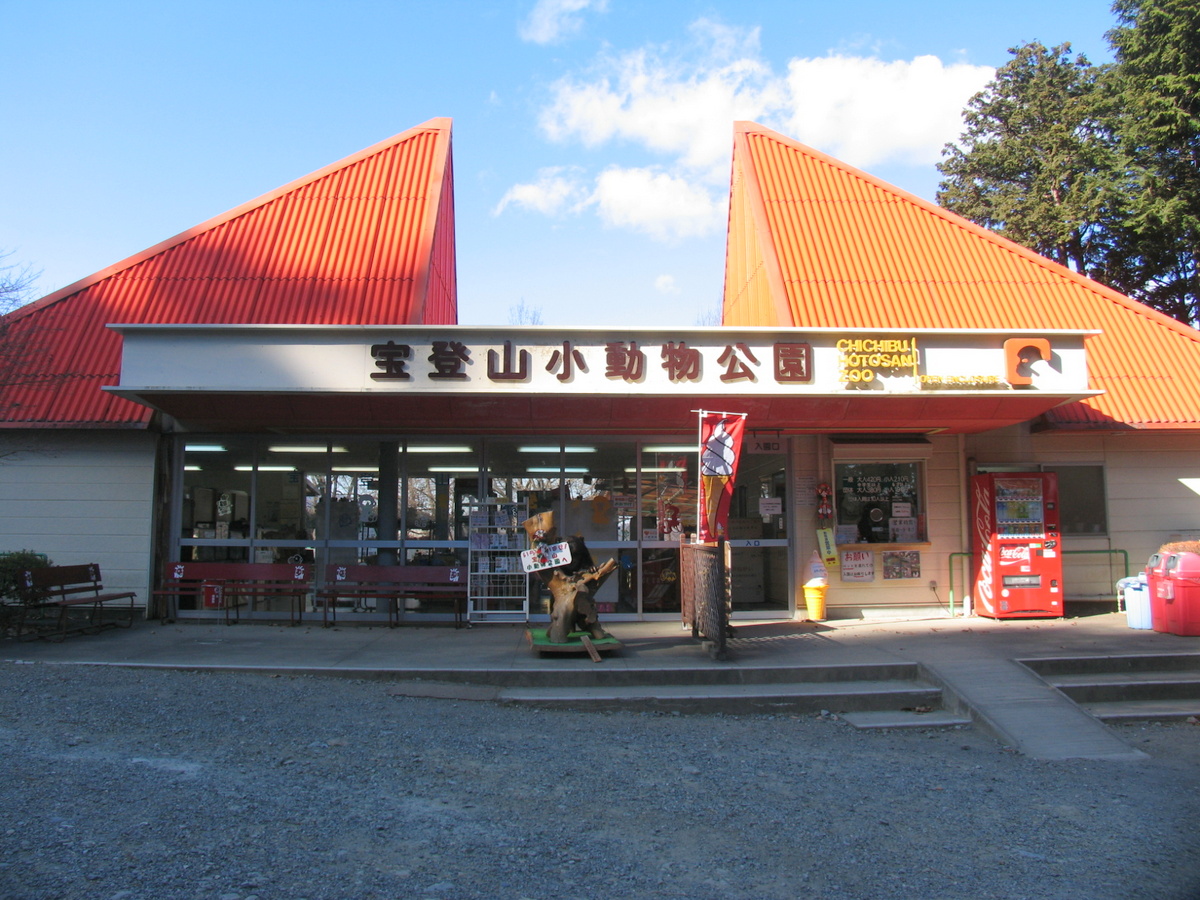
[81,497]
[811,456]
[1147,505]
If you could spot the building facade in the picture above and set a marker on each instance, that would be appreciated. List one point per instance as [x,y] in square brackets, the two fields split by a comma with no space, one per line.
[288,382]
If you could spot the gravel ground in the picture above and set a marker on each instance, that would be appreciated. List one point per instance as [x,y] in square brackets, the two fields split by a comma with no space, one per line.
[163,785]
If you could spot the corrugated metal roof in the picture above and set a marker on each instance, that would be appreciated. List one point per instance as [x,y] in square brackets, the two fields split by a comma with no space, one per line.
[843,249]
[368,240]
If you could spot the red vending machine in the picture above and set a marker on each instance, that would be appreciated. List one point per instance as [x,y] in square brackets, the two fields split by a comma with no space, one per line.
[1017,552]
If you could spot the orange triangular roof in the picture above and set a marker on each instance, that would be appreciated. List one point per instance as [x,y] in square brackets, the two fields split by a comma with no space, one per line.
[368,240]
[814,242]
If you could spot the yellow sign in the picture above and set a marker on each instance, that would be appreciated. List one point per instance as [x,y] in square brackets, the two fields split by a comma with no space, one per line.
[827,547]
[862,359]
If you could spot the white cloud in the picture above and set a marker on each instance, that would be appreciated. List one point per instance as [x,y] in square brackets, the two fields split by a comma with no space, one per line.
[861,108]
[664,206]
[672,110]
[553,193]
[866,111]
[665,284]
[678,105]
[552,20]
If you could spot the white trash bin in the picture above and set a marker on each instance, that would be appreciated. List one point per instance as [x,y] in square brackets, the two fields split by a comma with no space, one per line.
[1136,595]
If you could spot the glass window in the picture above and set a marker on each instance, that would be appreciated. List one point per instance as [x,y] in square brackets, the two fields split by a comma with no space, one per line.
[669,498]
[440,478]
[879,503]
[1081,498]
[355,510]
[600,493]
[215,513]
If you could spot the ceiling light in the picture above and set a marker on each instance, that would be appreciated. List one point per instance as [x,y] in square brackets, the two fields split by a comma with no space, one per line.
[555,470]
[306,448]
[204,448]
[555,449]
[670,448]
[264,468]
[436,448]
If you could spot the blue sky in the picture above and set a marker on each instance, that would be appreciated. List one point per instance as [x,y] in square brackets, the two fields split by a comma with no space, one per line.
[591,137]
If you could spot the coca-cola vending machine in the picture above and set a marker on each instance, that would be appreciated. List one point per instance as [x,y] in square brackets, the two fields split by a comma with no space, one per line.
[1017,547]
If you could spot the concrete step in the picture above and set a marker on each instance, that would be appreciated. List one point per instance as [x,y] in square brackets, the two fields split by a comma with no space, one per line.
[796,697]
[1142,662]
[1149,688]
[717,674]
[1144,710]
[913,717]
[894,688]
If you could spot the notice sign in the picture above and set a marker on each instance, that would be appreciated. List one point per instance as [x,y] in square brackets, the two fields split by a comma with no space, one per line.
[858,565]
[827,547]
[902,531]
[546,556]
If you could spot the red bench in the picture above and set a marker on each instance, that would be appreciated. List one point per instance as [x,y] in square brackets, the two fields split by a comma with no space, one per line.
[368,586]
[230,585]
[52,593]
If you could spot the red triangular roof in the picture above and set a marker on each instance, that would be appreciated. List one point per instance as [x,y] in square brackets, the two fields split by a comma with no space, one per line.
[814,242]
[368,240]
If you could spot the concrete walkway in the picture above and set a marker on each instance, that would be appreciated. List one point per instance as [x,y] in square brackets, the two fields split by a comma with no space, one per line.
[973,660]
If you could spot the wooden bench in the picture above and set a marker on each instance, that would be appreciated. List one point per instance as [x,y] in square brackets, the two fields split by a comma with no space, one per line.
[53,593]
[363,587]
[228,586]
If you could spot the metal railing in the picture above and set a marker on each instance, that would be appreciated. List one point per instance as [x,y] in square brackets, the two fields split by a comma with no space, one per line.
[966,556]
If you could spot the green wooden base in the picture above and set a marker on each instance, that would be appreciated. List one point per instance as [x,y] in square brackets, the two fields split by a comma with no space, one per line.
[539,643]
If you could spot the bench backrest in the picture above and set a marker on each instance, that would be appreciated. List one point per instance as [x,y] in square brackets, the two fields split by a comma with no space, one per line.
[63,580]
[451,576]
[234,571]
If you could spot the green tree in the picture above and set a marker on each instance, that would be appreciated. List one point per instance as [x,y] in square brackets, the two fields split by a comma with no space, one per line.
[1038,161]
[1157,76]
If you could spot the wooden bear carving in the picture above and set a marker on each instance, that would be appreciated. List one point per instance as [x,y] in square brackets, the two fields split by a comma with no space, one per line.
[573,586]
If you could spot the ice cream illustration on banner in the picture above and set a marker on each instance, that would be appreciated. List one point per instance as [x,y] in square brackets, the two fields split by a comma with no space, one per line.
[718,466]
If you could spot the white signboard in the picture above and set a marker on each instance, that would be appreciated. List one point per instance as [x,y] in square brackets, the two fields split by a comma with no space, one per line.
[546,556]
[770,506]
[455,359]
[858,565]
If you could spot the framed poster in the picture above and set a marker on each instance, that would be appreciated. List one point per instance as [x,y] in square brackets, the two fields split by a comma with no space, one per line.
[901,564]
[858,565]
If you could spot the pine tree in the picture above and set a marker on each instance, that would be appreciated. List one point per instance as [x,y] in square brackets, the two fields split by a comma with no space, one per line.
[1157,75]
[1038,161]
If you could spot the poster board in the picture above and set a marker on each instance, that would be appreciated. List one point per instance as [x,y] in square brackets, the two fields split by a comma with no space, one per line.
[858,565]
[901,564]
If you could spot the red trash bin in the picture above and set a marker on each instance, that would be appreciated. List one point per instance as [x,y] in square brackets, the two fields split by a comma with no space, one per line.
[1183,606]
[1157,586]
